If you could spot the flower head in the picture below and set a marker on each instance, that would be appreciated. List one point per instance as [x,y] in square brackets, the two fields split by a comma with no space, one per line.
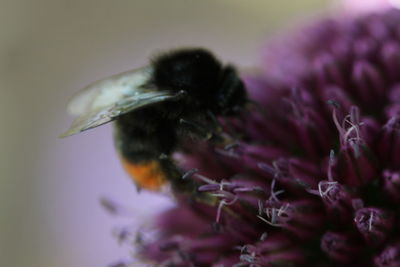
[313,177]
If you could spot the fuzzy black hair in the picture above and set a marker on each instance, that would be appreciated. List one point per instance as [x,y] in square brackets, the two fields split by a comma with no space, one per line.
[196,71]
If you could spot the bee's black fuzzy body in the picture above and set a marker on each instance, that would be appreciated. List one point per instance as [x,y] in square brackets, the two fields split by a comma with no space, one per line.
[152,133]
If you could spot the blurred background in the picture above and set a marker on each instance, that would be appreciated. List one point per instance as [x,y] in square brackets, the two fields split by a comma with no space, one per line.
[50,188]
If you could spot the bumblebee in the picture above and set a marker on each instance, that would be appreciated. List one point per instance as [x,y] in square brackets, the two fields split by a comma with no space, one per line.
[157,107]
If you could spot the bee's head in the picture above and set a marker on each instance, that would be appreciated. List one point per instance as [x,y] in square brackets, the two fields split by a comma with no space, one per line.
[231,94]
[207,83]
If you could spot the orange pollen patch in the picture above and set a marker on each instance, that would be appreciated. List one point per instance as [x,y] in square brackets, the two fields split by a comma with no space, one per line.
[148,175]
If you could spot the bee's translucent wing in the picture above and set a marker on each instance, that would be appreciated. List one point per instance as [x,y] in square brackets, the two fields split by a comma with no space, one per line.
[105,100]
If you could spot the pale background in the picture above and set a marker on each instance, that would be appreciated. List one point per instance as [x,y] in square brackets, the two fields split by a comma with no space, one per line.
[50,188]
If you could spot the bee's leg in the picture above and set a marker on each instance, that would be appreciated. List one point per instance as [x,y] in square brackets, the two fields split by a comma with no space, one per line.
[214,121]
[176,176]
[221,135]
[196,128]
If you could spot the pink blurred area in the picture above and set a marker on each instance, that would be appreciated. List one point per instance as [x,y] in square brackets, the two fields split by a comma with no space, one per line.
[361,6]
[50,188]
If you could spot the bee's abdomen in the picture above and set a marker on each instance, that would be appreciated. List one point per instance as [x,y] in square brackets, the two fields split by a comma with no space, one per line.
[148,175]
[142,140]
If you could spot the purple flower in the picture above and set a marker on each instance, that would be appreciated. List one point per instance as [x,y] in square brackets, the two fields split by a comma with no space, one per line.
[313,177]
